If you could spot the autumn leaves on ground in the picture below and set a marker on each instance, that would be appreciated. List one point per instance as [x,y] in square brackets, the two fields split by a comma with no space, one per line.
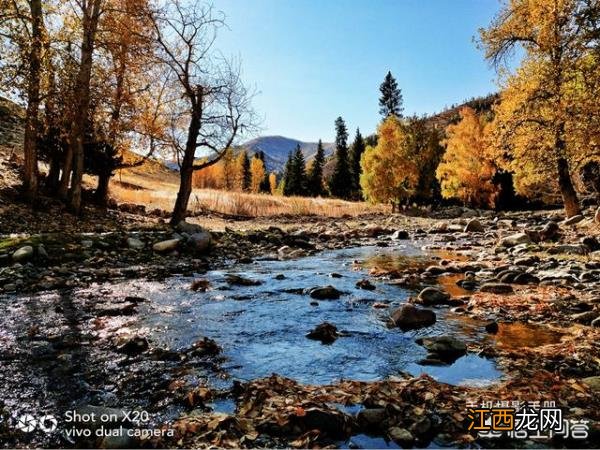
[153,258]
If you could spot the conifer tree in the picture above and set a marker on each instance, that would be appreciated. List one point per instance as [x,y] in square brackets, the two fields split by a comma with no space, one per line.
[265,185]
[286,181]
[390,102]
[340,183]
[315,175]
[356,151]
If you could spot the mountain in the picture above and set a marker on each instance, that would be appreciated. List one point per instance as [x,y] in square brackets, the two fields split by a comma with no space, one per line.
[277,149]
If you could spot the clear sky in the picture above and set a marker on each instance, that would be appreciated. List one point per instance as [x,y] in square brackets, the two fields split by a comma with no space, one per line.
[314,60]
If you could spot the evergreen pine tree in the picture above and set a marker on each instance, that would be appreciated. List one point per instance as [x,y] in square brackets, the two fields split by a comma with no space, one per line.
[299,168]
[265,185]
[356,151]
[315,177]
[390,102]
[247,176]
[340,183]
[287,180]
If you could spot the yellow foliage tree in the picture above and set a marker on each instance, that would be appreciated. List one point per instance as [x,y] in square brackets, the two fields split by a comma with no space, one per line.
[257,174]
[273,183]
[466,171]
[545,103]
[390,169]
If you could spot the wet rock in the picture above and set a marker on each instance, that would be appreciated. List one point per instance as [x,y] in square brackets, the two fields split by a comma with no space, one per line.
[119,309]
[279,277]
[200,285]
[401,436]
[23,254]
[474,226]
[325,293]
[409,317]
[135,244]
[325,332]
[335,424]
[371,418]
[444,348]
[335,275]
[492,327]
[133,346]
[400,235]
[515,239]
[432,296]
[572,249]
[166,246]
[497,288]
[365,284]
[573,220]
[238,280]
[593,383]
[204,347]
[550,231]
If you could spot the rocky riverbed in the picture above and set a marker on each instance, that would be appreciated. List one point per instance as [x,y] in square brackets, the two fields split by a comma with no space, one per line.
[375,327]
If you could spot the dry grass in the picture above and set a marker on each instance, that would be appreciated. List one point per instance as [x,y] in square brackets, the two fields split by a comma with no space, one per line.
[159,192]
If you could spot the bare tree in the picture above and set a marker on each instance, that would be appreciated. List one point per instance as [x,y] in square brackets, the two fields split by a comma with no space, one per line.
[214,101]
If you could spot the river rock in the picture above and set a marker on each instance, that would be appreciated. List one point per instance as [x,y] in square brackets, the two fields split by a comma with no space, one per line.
[166,246]
[325,293]
[571,249]
[573,220]
[591,242]
[474,226]
[432,296]
[371,418]
[23,254]
[188,228]
[497,288]
[445,348]
[515,239]
[596,322]
[550,231]
[400,235]
[409,317]
[200,285]
[593,383]
[365,284]
[200,241]
[135,244]
[492,327]
[133,346]
[241,281]
[401,435]
[597,216]
[325,332]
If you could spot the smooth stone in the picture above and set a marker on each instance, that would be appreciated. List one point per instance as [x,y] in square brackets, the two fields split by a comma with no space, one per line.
[474,226]
[23,254]
[497,288]
[573,220]
[409,317]
[325,293]
[515,239]
[325,332]
[166,246]
[432,296]
[135,244]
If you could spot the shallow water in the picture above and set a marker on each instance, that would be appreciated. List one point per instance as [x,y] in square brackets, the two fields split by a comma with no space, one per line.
[262,328]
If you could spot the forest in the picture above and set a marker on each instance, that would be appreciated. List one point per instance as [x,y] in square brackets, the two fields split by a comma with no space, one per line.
[170,278]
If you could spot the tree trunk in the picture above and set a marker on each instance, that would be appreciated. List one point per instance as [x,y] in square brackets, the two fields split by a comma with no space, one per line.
[82,94]
[186,171]
[565,183]
[53,174]
[101,194]
[567,190]
[33,102]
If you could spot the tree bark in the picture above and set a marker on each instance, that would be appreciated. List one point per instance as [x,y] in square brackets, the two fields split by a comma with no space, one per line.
[82,94]
[565,182]
[33,103]
[186,171]
[53,178]
[101,194]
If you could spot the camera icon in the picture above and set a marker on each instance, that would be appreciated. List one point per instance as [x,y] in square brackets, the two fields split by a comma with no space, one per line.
[27,423]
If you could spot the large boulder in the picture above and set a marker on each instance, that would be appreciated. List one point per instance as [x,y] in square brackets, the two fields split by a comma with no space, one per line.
[515,239]
[409,317]
[166,246]
[432,296]
[23,254]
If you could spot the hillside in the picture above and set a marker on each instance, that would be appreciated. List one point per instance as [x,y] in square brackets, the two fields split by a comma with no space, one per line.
[277,149]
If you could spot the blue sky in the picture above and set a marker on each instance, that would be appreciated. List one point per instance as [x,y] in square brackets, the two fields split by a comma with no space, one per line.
[314,60]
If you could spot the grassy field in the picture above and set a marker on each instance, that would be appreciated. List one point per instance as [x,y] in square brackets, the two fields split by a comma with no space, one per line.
[156,187]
